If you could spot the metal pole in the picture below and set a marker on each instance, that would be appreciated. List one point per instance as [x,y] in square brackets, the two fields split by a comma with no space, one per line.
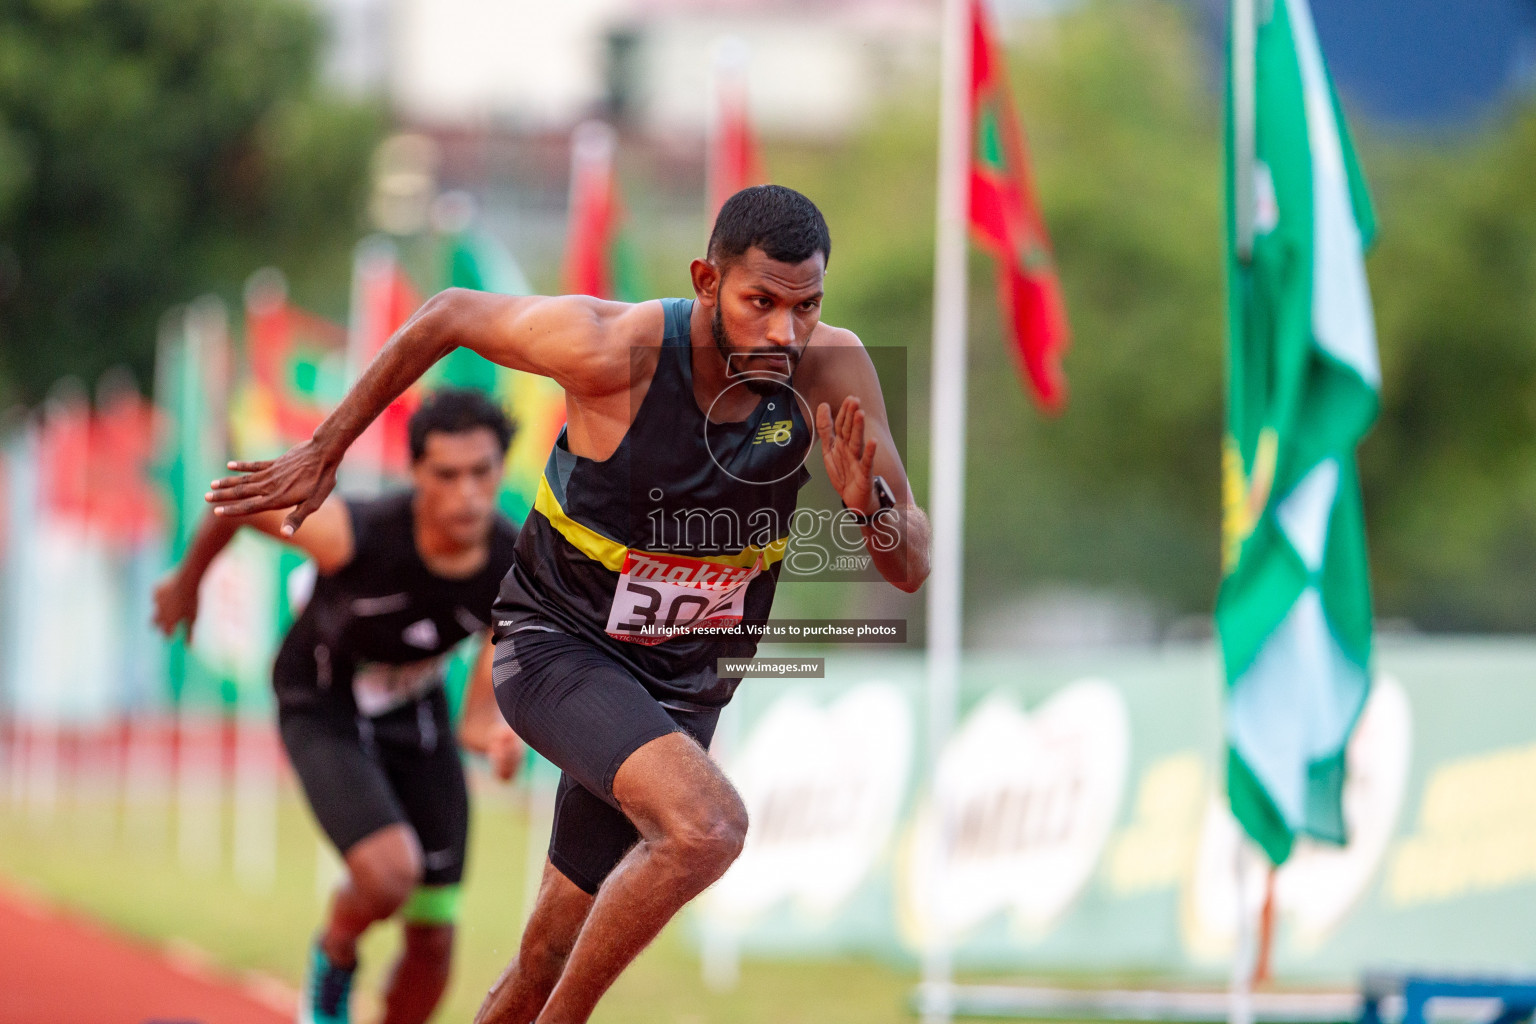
[1244,59]
[1240,989]
[947,466]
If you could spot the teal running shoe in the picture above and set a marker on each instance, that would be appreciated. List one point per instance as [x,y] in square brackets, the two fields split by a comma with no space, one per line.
[327,988]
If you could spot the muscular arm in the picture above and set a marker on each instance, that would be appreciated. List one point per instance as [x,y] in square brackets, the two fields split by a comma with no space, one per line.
[856,446]
[569,338]
[326,537]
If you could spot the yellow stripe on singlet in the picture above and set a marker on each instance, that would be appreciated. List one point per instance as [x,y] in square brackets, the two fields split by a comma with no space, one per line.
[611,553]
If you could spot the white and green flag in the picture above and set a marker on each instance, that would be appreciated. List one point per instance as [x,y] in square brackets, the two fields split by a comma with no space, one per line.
[1294,610]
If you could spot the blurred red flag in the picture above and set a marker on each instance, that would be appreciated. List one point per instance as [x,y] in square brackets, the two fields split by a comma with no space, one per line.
[594,213]
[96,469]
[734,161]
[1005,220]
[125,503]
[64,460]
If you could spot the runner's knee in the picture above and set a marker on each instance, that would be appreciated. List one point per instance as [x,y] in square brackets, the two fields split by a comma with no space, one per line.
[706,836]
[684,807]
[386,868]
[432,906]
[387,886]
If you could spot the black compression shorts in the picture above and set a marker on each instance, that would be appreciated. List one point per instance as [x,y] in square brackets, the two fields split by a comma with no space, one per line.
[585,713]
[361,774]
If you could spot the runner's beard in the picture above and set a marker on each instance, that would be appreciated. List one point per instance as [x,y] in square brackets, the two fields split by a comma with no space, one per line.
[756,385]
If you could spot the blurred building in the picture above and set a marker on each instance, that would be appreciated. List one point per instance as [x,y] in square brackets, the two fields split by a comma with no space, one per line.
[495,86]
[815,67]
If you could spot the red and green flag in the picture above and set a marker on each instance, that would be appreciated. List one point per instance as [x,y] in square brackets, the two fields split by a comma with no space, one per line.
[289,355]
[1005,220]
[126,508]
[599,262]
[191,392]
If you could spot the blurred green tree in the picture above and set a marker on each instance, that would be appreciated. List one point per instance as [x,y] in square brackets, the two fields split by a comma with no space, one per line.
[1450,472]
[150,150]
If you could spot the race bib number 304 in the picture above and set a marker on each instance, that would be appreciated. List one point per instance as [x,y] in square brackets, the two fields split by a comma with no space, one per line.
[662,596]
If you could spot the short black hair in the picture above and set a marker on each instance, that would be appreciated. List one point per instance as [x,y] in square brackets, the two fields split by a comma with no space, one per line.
[458,411]
[778,220]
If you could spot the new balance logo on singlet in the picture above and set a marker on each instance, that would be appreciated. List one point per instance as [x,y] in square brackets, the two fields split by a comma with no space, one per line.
[776,432]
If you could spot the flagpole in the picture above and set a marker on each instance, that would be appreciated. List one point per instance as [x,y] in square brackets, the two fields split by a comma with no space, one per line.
[1244,148]
[1240,986]
[946,491]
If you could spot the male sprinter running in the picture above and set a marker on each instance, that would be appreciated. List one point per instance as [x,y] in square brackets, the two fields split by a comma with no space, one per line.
[665,505]
[402,579]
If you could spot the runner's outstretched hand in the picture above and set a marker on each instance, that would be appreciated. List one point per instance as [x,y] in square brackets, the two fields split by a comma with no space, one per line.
[505,753]
[175,603]
[299,479]
[493,740]
[846,454]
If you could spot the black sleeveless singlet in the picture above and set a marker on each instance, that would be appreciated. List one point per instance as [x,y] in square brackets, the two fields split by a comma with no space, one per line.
[378,629]
[683,527]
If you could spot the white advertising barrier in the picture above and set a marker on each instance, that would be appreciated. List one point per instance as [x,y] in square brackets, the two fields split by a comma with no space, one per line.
[1089,830]
[823,787]
[1028,799]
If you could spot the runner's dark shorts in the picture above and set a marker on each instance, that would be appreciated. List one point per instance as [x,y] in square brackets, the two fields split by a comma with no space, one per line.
[361,774]
[586,713]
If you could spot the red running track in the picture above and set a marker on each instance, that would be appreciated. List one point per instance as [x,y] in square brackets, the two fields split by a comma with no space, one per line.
[60,969]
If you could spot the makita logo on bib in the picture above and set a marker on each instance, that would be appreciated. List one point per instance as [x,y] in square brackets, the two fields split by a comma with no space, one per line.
[690,571]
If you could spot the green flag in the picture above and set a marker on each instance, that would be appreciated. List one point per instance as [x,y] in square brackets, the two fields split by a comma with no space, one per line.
[475,260]
[191,386]
[1294,609]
